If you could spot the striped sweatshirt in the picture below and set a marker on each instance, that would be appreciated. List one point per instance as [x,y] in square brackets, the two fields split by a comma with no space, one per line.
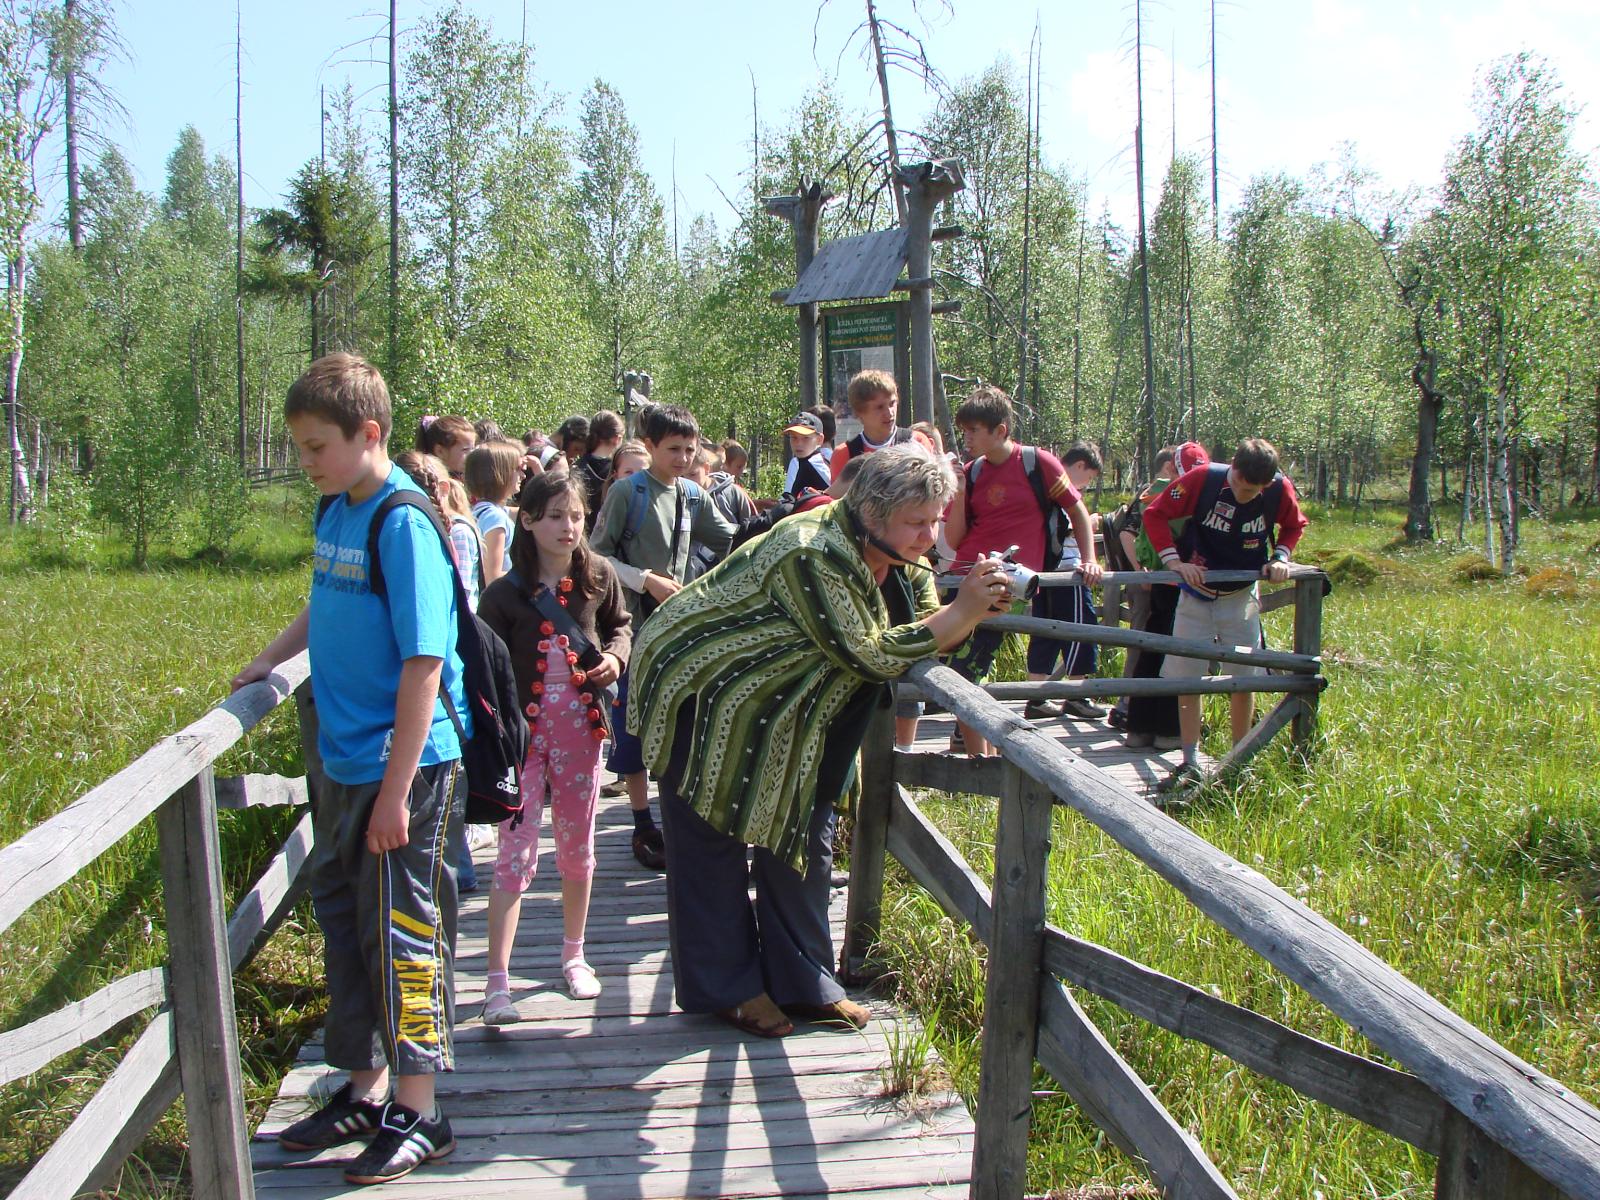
[767,651]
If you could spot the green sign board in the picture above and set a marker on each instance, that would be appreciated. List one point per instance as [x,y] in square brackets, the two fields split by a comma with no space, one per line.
[860,338]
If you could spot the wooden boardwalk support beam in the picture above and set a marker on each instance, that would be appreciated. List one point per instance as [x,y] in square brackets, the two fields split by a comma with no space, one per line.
[865,906]
[201,984]
[1011,989]
[1307,641]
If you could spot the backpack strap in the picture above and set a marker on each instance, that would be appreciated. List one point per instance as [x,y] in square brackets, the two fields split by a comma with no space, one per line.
[638,498]
[1216,480]
[402,498]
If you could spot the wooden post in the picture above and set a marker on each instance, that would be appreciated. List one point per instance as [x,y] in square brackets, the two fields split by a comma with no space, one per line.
[202,992]
[927,185]
[1011,989]
[802,211]
[1472,1166]
[1111,603]
[1307,640]
[864,905]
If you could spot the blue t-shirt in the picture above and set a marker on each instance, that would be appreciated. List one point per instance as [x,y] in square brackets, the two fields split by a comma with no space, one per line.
[491,516]
[358,641]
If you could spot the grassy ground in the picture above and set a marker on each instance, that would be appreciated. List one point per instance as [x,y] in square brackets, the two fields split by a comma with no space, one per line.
[1450,822]
[97,663]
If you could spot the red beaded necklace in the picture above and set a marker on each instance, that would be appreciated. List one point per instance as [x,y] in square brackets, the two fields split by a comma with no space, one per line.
[549,637]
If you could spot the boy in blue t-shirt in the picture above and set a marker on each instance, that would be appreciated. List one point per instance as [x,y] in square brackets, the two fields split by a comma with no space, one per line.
[390,786]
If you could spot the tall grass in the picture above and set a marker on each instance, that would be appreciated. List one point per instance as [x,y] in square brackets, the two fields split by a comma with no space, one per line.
[97,663]
[1450,822]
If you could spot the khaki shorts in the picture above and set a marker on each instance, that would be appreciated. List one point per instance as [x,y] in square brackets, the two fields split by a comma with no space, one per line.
[1232,620]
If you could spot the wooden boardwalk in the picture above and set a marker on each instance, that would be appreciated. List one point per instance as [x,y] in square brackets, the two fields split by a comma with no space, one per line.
[626,1097]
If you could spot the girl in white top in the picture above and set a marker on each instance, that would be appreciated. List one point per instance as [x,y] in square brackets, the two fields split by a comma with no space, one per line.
[491,479]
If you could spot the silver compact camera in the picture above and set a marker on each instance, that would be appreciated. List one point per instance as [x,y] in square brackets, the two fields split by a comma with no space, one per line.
[1023,582]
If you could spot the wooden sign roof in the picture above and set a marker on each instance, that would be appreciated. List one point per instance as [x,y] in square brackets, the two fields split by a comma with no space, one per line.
[854,268]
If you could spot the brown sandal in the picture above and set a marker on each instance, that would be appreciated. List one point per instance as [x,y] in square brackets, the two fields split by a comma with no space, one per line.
[758,1016]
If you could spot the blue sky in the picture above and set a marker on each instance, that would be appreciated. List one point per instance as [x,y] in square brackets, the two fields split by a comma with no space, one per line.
[1296,77]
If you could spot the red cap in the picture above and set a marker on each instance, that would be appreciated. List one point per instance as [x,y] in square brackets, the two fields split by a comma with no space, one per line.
[1189,456]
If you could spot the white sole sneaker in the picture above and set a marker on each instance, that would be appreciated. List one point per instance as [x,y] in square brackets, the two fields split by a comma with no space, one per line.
[498,1009]
[582,983]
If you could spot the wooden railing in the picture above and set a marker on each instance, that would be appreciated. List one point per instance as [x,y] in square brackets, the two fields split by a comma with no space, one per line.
[191,1044]
[1498,1126]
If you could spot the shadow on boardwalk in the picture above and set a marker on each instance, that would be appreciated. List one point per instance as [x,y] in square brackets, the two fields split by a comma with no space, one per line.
[624,1097]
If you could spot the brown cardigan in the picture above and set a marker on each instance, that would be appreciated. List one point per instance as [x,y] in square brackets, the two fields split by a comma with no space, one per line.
[510,612]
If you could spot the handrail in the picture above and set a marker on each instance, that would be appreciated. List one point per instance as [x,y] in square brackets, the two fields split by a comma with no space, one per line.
[1297,572]
[1534,1117]
[55,850]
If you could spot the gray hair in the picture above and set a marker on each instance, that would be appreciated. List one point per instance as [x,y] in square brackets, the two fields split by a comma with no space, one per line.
[899,477]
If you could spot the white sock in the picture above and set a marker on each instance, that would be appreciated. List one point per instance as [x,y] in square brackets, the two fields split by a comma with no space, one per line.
[1191,753]
[907,746]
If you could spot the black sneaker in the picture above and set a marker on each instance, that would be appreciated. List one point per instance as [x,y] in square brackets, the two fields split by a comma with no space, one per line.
[341,1119]
[404,1142]
[650,849]
[1184,775]
[1082,709]
[1039,710]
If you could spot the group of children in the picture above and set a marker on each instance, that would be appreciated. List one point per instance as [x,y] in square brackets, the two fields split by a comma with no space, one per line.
[563,547]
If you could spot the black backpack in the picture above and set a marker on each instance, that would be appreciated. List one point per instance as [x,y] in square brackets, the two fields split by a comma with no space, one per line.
[494,754]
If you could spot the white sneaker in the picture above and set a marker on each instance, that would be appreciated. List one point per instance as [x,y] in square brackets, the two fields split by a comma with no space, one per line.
[582,983]
[498,1009]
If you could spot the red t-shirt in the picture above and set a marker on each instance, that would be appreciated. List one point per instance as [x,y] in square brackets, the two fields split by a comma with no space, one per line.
[1002,510]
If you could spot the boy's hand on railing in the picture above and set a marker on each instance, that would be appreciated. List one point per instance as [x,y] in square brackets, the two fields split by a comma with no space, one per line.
[255,671]
[1275,571]
[1193,573]
[1092,573]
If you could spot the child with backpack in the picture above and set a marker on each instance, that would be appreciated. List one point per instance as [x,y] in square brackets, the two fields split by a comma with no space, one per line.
[385,676]
[874,399]
[493,472]
[1071,602]
[1229,512]
[1007,496]
[646,528]
[566,624]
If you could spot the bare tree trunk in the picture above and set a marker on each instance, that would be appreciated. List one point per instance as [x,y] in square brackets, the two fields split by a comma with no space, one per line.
[896,188]
[1216,204]
[1077,329]
[21,502]
[394,192]
[71,131]
[1488,483]
[1424,373]
[1147,422]
[238,231]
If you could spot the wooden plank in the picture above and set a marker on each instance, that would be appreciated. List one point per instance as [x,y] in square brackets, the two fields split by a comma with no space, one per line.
[1552,1129]
[1307,640]
[712,1176]
[1011,989]
[201,983]
[1206,685]
[1262,732]
[583,1141]
[55,850]
[942,773]
[789,1163]
[1471,1167]
[102,1126]
[1391,1101]
[280,887]
[1092,1072]
[1107,635]
[865,904]
[1277,598]
[38,1043]
[261,791]
[1048,579]
[937,866]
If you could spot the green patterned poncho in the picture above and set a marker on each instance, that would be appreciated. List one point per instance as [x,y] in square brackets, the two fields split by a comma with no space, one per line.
[769,649]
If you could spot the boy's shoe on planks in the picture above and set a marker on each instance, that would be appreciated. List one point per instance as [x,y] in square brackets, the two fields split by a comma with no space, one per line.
[341,1119]
[405,1140]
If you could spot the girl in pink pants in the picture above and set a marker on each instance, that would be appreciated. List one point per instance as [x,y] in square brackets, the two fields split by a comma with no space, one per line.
[561,613]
